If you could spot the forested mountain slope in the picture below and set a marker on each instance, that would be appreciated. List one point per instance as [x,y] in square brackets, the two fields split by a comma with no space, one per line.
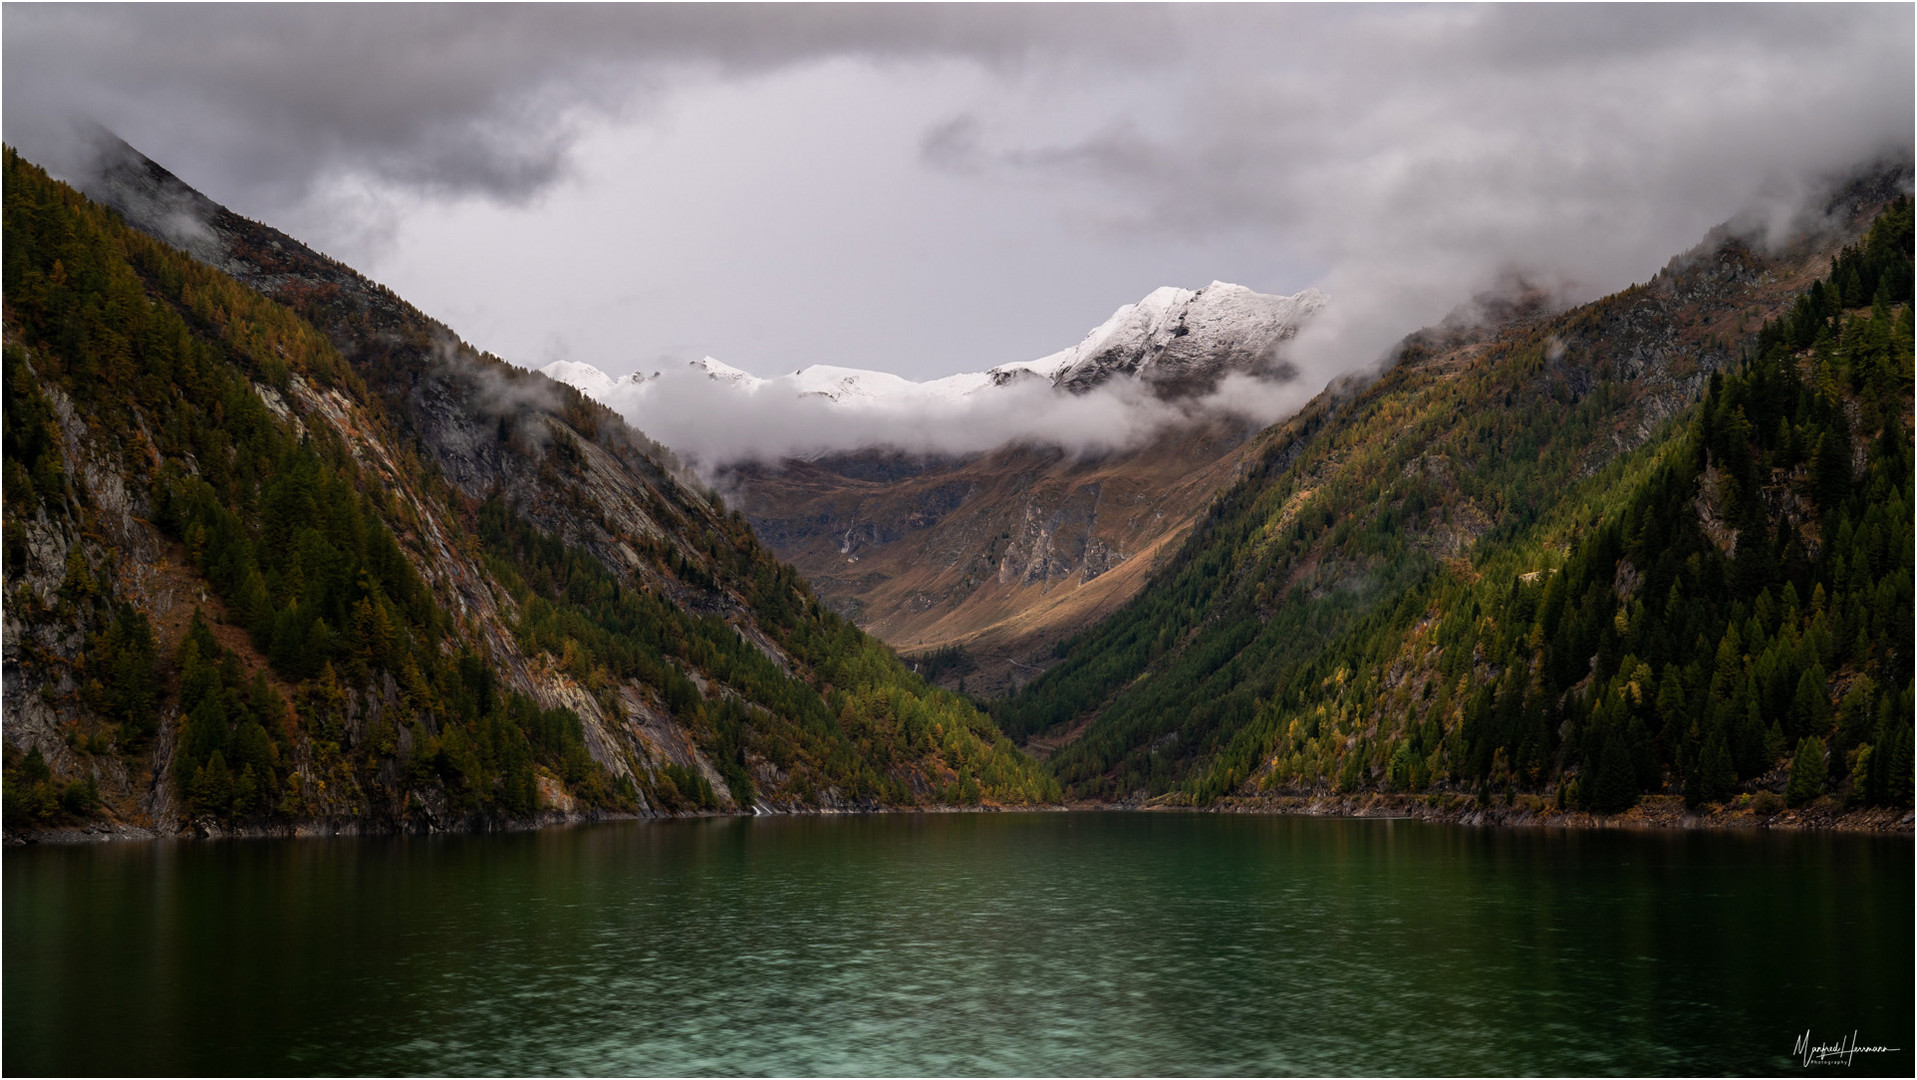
[294,556]
[1527,558]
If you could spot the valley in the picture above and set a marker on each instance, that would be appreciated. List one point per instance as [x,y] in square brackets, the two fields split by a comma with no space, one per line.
[958,539]
[1366,597]
[982,565]
[978,562]
[362,576]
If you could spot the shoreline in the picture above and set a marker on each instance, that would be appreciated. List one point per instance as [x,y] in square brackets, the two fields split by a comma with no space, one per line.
[105,832]
[1652,813]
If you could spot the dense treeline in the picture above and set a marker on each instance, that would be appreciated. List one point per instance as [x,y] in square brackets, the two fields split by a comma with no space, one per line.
[1705,660]
[1741,613]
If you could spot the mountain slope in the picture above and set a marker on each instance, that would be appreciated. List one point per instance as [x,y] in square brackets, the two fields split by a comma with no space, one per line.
[1364,523]
[980,564]
[316,563]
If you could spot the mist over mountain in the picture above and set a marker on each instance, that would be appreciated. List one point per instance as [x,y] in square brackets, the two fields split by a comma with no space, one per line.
[1652,548]
[1176,357]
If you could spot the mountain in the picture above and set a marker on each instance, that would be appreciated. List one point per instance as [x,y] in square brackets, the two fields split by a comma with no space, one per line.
[282,553]
[1176,342]
[1182,343]
[1654,545]
[980,562]
[587,379]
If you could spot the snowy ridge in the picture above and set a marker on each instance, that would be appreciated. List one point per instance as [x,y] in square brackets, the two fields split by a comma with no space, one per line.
[718,371]
[1177,341]
[1174,337]
[590,380]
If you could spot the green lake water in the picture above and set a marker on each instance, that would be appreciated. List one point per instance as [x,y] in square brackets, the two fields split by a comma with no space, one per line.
[1033,944]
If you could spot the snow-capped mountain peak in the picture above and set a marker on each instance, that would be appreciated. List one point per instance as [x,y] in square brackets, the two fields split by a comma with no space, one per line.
[591,381]
[1178,342]
[1182,342]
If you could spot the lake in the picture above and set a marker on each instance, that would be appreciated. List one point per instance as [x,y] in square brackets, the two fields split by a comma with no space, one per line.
[1042,943]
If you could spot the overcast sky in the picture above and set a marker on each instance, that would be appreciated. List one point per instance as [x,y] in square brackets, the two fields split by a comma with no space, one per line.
[928,190]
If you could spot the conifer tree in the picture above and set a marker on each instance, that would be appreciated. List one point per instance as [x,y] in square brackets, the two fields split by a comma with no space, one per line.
[1807,772]
[1615,788]
[212,788]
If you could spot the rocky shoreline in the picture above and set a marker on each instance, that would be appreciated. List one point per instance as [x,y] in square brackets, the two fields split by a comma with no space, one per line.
[94,832]
[1653,812]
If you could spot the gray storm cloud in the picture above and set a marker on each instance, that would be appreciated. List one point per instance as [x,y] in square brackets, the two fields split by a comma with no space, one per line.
[480,99]
[1418,156]
[1401,159]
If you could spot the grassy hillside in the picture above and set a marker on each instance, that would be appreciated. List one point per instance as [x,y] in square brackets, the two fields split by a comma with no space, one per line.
[1407,592]
[241,588]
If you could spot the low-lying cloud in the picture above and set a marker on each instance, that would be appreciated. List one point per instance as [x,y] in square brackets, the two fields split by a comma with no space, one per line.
[712,425]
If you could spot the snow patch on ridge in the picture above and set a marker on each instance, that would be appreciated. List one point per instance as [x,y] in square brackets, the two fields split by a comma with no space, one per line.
[725,374]
[590,380]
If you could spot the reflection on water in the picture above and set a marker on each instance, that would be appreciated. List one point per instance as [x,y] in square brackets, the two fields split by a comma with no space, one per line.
[962,944]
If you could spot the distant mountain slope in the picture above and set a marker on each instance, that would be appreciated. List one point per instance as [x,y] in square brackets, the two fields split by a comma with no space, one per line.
[315,563]
[978,566]
[1330,622]
[988,558]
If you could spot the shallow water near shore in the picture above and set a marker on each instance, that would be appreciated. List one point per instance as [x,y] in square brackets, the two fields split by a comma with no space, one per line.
[1047,943]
